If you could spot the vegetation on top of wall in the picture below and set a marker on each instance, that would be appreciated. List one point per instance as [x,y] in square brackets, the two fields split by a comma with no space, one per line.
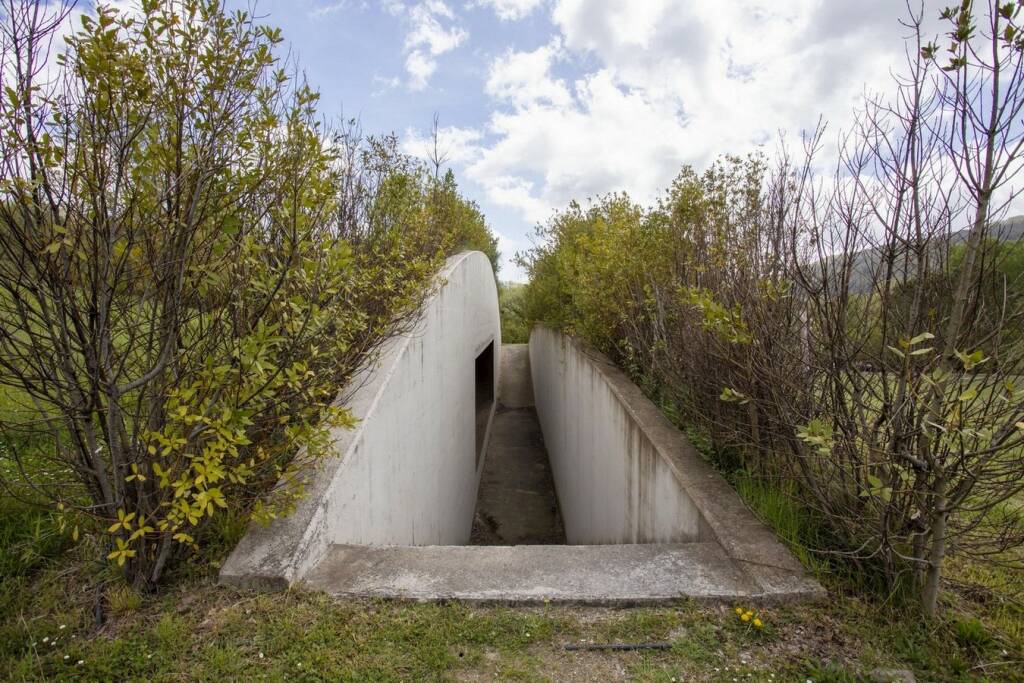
[893,411]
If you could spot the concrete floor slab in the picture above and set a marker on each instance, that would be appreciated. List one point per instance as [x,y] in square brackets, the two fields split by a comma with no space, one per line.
[515,386]
[516,503]
[613,575]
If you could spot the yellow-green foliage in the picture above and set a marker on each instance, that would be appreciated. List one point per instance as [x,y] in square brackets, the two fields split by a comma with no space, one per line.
[208,269]
[714,302]
[599,270]
[591,267]
[512,301]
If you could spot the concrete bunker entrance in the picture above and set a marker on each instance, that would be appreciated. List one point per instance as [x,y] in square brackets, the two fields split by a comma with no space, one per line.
[484,372]
[601,482]
[516,474]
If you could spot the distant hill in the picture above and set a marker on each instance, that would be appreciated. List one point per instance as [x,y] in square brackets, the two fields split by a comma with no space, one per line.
[867,262]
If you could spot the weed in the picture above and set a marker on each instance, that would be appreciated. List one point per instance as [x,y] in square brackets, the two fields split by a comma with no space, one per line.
[122,599]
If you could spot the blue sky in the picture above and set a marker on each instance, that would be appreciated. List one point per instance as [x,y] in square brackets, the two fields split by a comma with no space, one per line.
[545,101]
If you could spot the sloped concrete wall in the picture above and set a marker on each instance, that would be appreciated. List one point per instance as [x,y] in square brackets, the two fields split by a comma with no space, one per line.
[613,484]
[408,473]
[625,474]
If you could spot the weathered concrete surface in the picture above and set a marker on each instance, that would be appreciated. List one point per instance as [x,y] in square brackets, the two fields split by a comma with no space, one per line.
[407,474]
[613,484]
[515,389]
[624,473]
[516,503]
[597,575]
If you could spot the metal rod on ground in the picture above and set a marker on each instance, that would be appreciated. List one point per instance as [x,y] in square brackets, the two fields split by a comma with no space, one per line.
[619,646]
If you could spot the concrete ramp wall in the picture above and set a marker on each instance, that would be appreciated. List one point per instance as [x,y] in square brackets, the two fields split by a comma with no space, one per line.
[408,473]
[625,474]
[613,483]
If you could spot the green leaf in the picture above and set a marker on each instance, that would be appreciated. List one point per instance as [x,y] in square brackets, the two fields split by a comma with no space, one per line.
[970,360]
[968,394]
[732,396]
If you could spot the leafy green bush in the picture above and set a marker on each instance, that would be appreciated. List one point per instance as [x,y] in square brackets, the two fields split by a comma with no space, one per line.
[836,336]
[511,301]
[192,266]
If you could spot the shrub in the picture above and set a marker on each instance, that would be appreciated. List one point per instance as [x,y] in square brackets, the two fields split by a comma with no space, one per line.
[191,266]
[831,331]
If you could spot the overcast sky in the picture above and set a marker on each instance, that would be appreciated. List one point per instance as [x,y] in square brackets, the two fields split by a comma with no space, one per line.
[544,101]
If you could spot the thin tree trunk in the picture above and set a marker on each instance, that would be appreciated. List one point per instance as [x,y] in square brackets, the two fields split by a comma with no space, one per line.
[933,573]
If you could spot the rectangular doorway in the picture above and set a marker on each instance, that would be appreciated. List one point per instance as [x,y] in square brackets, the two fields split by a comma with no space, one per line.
[484,396]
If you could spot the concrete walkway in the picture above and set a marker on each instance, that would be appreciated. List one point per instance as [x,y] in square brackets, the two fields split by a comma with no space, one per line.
[516,504]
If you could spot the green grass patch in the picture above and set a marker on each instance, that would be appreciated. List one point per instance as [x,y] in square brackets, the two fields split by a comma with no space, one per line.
[195,630]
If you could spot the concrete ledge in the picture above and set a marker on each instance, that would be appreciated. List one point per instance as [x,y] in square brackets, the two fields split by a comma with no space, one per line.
[609,575]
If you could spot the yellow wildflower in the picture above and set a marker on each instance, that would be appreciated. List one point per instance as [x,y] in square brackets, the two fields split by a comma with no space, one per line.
[739,611]
[746,617]
[758,623]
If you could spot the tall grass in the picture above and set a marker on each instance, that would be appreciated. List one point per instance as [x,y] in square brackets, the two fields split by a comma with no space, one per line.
[776,505]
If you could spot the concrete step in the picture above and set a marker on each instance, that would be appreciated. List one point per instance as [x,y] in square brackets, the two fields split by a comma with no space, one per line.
[614,575]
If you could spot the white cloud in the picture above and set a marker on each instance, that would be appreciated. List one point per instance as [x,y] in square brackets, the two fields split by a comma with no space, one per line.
[608,138]
[671,82]
[518,193]
[523,78]
[454,145]
[432,31]
[510,10]
[325,10]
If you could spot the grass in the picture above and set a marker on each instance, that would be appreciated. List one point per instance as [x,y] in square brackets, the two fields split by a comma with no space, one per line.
[792,523]
[194,630]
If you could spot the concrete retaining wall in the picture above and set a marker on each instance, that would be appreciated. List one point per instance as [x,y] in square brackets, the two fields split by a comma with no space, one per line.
[408,473]
[625,474]
[613,484]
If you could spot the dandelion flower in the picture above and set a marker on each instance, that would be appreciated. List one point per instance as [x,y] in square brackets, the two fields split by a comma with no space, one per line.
[739,610]
[758,623]
[745,617]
